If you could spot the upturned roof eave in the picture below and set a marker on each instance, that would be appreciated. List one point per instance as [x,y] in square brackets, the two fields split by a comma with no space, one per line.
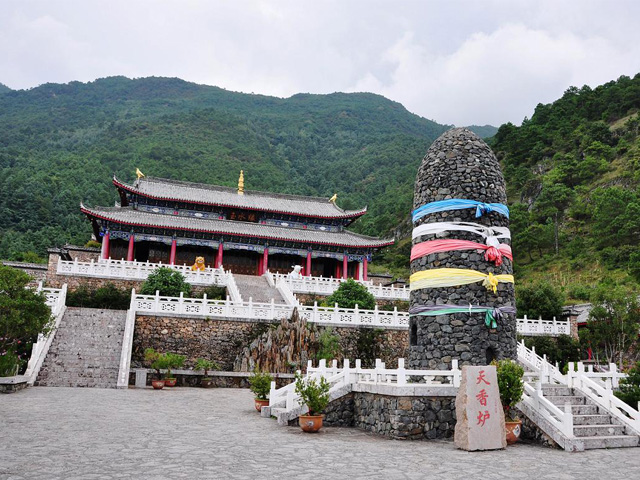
[348,214]
[94,214]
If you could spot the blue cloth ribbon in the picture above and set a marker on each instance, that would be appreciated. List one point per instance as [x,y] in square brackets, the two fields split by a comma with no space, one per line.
[460,204]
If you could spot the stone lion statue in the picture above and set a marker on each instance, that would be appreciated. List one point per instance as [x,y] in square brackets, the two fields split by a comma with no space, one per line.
[199,265]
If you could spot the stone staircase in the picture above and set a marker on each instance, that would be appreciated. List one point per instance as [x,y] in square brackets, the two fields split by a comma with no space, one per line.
[86,349]
[592,427]
[258,289]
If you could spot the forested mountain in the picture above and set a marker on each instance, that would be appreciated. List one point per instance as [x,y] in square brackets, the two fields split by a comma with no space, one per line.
[573,172]
[4,88]
[61,144]
[483,131]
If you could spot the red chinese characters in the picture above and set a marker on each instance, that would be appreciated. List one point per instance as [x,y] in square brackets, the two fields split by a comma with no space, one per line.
[483,417]
[481,378]
[482,397]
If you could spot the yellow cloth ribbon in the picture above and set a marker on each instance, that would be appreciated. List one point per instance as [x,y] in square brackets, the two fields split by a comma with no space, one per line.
[451,277]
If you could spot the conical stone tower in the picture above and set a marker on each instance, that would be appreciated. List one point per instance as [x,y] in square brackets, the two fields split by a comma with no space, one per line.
[460,166]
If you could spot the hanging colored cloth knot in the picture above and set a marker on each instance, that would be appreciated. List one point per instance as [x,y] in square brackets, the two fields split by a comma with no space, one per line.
[459,204]
[492,315]
[490,283]
[452,277]
[494,250]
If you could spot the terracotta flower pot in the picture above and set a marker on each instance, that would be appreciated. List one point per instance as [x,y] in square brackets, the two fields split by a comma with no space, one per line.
[513,431]
[259,403]
[169,382]
[310,423]
[157,384]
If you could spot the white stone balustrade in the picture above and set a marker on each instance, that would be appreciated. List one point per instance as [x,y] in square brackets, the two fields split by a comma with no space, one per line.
[326,286]
[125,270]
[532,327]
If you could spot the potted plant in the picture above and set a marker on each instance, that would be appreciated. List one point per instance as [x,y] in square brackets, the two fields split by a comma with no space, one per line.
[206,365]
[157,361]
[315,395]
[511,389]
[260,385]
[173,360]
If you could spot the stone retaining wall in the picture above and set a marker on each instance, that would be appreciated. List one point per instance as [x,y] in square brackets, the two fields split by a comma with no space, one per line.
[223,340]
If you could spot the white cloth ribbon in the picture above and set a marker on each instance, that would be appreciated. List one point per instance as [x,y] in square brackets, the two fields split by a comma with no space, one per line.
[491,234]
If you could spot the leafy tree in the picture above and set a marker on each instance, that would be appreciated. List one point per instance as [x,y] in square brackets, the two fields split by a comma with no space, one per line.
[541,299]
[612,328]
[168,282]
[630,387]
[328,345]
[108,296]
[351,293]
[23,312]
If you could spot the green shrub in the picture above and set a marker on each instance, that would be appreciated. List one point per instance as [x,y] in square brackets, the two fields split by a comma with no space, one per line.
[213,292]
[313,393]
[173,360]
[350,293]
[10,364]
[328,345]
[369,345]
[510,384]
[629,391]
[169,282]
[206,365]
[92,244]
[260,384]
[108,296]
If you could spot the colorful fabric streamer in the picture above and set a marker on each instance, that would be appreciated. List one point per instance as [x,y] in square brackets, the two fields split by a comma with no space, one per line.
[460,204]
[452,277]
[492,314]
[492,253]
[437,228]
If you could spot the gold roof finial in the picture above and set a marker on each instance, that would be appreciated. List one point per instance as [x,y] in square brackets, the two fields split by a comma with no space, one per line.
[139,173]
[334,198]
[241,183]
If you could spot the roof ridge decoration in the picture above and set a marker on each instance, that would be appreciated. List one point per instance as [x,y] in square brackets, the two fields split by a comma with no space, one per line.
[199,193]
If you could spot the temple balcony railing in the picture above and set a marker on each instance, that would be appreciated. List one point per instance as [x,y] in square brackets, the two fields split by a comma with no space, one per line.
[132,270]
[534,327]
[335,315]
[326,286]
[252,311]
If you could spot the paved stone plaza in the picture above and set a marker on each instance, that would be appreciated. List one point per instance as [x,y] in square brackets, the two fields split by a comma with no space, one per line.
[66,433]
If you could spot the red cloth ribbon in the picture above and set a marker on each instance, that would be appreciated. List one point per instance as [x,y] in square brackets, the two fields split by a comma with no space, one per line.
[493,253]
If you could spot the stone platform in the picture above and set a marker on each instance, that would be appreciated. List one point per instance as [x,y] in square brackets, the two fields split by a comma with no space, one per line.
[56,433]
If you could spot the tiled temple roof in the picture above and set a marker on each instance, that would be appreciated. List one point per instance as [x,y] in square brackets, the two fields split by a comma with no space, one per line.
[129,216]
[163,189]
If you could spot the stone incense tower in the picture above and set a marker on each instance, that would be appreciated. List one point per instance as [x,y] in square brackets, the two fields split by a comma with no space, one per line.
[461,253]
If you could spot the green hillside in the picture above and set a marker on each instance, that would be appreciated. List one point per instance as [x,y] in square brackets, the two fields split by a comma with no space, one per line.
[573,172]
[483,131]
[60,145]
[4,88]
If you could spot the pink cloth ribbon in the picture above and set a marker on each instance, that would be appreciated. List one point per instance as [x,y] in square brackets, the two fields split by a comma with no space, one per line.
[493,251]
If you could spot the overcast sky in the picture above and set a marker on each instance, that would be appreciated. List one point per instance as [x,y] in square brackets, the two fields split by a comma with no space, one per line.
[459,62]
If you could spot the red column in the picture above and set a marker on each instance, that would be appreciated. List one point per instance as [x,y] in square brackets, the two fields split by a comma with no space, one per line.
[219,256]
[338,271]
[172,257]
[105,246]
[130,251]
[344,267]
[265,262]
[308,269]
[364,269]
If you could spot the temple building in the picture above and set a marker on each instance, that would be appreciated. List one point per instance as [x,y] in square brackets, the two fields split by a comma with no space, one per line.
[248,232]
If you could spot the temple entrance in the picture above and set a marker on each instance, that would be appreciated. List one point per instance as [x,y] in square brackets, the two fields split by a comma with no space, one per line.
[118,249]
[323,267]
[153,252]
[186,255]
[243,262]
[282,263]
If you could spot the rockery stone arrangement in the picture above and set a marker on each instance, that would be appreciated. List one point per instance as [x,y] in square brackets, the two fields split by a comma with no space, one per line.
[459,165]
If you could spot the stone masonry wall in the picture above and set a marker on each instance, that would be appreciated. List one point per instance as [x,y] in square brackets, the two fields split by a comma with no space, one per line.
[403,418]
[460,165]
[224,340]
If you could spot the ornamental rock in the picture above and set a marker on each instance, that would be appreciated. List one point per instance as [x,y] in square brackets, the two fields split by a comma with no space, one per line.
[459,165]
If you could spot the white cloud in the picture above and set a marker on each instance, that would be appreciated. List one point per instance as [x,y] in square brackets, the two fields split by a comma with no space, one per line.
[458,61]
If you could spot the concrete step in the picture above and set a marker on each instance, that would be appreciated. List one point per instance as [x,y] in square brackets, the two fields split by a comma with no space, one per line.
[556,391]
[560,401]
[618,441]
[598,430]
[582,409]
[592,419]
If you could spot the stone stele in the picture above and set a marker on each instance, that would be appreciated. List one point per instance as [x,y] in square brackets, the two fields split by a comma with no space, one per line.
[480,418]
